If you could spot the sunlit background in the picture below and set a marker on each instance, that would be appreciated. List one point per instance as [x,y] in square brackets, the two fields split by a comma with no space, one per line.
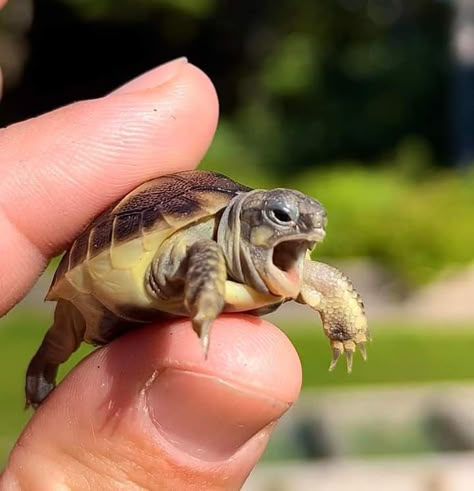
[367,105]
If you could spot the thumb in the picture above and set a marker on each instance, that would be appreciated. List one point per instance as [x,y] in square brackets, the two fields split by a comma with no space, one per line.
[148,411]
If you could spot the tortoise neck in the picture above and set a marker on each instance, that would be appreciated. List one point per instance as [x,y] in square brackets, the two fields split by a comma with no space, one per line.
[240,266]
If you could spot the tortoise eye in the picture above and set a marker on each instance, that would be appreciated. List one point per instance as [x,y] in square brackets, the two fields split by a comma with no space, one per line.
[282,216]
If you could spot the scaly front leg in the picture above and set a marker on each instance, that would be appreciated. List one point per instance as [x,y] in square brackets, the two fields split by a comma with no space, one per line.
[204,288]
[328,291]
[200,268]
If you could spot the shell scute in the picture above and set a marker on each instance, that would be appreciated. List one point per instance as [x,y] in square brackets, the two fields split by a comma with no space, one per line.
[79,250]
[100,236]
[126,227]
[151,216]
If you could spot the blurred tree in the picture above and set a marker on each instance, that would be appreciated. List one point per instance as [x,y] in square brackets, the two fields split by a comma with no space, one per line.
[347,79]
[14,23]
[463,45]
[300,83]
[308,91]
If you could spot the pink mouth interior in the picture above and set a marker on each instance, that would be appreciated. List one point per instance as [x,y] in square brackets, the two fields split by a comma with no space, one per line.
[287,257]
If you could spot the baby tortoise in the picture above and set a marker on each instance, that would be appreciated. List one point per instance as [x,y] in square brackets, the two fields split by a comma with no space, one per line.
[193,244]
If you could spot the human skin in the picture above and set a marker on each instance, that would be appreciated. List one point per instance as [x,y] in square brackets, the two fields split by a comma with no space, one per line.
[147,411]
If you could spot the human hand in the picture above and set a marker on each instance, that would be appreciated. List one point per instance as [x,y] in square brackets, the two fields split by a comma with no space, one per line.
[177,421]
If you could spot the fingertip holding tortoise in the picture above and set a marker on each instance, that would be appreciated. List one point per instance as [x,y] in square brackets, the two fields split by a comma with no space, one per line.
[194,244]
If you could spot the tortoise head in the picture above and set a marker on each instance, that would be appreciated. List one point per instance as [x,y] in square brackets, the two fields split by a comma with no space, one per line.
[265,236]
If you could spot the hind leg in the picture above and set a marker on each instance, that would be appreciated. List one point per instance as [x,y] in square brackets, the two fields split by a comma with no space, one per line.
[61,340]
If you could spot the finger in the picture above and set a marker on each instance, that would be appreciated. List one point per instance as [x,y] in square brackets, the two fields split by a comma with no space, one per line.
[59,170]
[151,78]
[148,410]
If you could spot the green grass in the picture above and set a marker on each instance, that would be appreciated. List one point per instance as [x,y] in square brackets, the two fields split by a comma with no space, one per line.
[398,354]
[20,335]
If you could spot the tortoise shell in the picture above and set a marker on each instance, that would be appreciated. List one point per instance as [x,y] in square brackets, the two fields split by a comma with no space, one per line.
[170,202]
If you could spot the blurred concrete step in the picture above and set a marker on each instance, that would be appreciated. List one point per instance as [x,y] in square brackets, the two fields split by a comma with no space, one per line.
[445,472]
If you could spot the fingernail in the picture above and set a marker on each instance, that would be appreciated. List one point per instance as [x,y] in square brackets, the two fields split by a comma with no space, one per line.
[206,417]
[153,78]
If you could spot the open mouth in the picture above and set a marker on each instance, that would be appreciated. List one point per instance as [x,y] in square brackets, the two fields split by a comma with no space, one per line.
[287,254]
[287,266]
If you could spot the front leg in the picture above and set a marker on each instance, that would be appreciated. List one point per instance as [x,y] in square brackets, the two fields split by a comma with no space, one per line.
[204,289]
[330,292]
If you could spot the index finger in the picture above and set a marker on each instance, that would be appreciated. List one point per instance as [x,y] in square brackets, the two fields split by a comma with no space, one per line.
[59,170]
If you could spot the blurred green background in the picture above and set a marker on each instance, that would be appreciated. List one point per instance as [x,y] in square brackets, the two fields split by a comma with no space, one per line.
[367,105]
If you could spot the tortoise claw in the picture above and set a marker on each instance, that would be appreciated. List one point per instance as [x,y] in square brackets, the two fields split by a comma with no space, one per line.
[336,353]
[205,341]
[348,348]
[349,360]
[363,350]
[202,329]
